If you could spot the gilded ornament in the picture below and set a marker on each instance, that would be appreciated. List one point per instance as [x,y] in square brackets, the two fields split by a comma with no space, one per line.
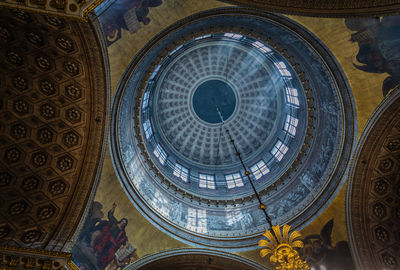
[5,33]
[54,21]
[30,183]
[65,43]
[57,187]
[45,135]
[47,87]
[21,14]
[281,248]
[14,58]
[12,155]
[46,212]
[65,163]
[47,111]
[21,107]
[4,231]
[379,210]
[389,260]
[34,38]
[5,179]
[17,208]
[39,159]
[71,67]
[73,115]
[43,62]
[70,139]
[18,131]
[73,92]
[31,236]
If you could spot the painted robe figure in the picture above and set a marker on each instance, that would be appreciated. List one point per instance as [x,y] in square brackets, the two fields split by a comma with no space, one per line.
[109,238]
[103,244]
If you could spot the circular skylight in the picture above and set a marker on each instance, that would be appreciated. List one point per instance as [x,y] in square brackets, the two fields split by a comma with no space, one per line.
[211,90]
[257,78]
[214,101]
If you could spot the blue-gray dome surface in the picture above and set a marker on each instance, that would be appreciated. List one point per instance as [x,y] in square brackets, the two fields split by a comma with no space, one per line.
[281,95]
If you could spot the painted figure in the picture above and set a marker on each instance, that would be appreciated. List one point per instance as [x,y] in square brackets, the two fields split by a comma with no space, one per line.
[379,43]
[127,15]
[103,244]
[321,254]
[108,238]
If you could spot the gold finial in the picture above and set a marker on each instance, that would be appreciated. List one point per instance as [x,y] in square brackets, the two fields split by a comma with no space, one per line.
[281,249]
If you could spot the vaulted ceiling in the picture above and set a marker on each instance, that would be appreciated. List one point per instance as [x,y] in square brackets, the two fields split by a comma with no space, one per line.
[53,119]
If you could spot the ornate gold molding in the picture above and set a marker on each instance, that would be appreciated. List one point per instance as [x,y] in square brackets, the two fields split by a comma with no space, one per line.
[26,258]
[75,9]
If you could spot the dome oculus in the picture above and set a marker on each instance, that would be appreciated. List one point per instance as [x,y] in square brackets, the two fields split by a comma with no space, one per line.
[258,95]
[211,95]
[173,156]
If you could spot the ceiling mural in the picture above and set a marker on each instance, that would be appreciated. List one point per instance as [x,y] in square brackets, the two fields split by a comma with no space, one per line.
[103,241]
[378,40]
[53,112]
[129,15]
[51,132]
[334,33]
[321,252]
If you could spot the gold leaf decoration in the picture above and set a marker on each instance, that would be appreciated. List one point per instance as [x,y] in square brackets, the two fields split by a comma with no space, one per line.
[281,247]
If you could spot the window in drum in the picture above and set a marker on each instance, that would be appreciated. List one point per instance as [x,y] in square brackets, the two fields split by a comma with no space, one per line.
[283,69]
[181,172]
[292,96]
[206,181]
[279,150]
[147,129]
[259,169]
[291,124]
[160,153]
[234,180]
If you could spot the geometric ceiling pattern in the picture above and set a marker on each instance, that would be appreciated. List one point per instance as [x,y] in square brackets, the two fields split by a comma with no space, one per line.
[52,122]
[373,199]
[78,9]
[326,8]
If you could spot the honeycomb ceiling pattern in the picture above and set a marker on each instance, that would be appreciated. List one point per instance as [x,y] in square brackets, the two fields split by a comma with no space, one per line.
[255,117]
[47,124]
[375,194]
[77,9]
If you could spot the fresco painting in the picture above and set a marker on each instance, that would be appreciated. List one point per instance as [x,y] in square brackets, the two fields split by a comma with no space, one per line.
[129,15]
[379,42]
[103,243]
[321,254]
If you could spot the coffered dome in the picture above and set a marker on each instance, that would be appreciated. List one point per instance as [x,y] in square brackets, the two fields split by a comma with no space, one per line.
[257,79]
[225,77]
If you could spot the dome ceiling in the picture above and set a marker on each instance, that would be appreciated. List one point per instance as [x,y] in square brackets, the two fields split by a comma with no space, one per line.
[229,77]
[53,117]
[282,97]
